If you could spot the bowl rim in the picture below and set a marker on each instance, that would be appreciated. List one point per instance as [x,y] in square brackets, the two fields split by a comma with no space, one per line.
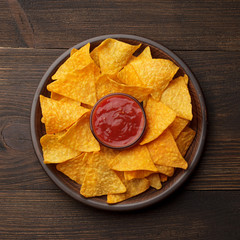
[146,202]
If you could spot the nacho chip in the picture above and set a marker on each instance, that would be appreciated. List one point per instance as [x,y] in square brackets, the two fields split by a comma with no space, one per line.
[54,151]
[155,181]
[57,115]
[112,55]
[145,54]
[159,117]
[185,139]
[75,168]
[156,74]
[100,179]
[163,177]
[136,158]
[169,171]
[177,97]
[177,126]
[164,151]
[76,61]
[134,187]
[74,50]
[129,175]
[105,86]
[79,136]
[78,85]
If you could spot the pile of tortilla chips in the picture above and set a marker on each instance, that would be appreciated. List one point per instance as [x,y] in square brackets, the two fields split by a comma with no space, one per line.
[79,83]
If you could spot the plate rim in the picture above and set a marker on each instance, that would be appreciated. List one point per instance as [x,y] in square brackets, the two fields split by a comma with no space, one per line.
[146,202]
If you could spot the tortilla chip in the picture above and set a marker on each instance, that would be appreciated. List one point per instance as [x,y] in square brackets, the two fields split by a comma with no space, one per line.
[163,177]
[75,168]
[135,158]
[156,74]
[134,187]
[155,181]
[54,151]
[74,50]
[145,54]
[159,117]
[105,86]
[112,55]
[177,97]
[58,115]
[164,151]
[79,136]
[185,139]
[129,175]
[77,61]
[100,179]
[177,126]
[78,85]
[169,171]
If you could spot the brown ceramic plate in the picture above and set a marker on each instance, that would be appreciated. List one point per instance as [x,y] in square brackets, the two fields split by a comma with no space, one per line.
[199,124]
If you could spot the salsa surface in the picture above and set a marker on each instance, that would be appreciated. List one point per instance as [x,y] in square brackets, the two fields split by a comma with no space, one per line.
[118,121]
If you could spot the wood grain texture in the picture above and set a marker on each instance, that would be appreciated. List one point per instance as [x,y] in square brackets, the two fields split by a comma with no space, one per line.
[181,25]
[53,215]
[22,69]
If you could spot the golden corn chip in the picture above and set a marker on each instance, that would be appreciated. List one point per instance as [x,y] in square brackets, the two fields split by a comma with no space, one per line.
[78,85]
[146,54]
[74,50]
[177,126]
[164,151]
[112,55]
[136,158]
[159,117]
[59,115]
[129,76]
[75,168]
[100,179]
[79,136]
[129,175]
[54,151]
[185,78]
[185,139]
[163,177]
[155,181]
[76,61]
[58,97]
[105,86]
[134,187]
[156,74]
[169,171]
[177,97]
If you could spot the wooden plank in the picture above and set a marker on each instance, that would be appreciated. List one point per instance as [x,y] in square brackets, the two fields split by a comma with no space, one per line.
[184,215]
[182,25]
[22,69]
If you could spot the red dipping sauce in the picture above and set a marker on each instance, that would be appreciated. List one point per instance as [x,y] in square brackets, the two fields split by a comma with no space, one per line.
[118,121]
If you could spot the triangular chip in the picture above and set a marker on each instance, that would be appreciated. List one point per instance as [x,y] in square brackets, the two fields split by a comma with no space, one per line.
[164,151]
[177,126]
[145,54]
[79,136]
[80,59]
[100,179]
[112,55]
[58,115]
[155,181]
[159,117]
[136,158]
[177,97]
[134,187]
[185,139]
[163,177]
[78,85]
[169,171]
[105,86]
[129,175]
[75,168]
[74,50]
[155,73]
[54,151]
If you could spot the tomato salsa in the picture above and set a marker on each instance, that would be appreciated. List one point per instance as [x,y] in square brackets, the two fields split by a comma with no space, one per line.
[118,121]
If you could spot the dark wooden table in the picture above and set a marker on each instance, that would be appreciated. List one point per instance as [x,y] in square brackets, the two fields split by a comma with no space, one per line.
[205,34]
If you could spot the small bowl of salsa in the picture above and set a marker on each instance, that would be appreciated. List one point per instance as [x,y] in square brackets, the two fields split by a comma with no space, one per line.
[118,121]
